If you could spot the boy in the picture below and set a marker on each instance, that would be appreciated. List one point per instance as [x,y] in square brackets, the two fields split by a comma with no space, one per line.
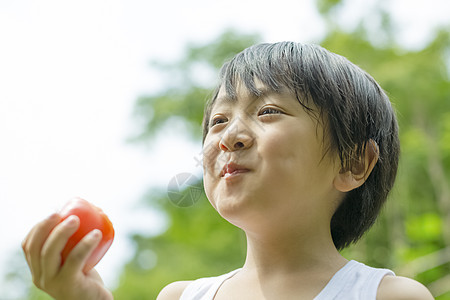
[300,151]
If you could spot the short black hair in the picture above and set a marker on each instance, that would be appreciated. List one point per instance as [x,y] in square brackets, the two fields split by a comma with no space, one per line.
[353,107]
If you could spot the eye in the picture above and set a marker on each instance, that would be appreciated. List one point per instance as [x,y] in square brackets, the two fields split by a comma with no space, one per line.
[217,120]
[269,111]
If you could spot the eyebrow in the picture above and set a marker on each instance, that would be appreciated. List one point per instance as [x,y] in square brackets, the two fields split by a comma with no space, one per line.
[263,92]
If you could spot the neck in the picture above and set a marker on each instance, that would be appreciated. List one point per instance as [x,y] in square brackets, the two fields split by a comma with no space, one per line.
[275,254]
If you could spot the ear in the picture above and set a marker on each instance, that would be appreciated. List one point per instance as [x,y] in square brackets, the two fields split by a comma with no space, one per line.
[348,180]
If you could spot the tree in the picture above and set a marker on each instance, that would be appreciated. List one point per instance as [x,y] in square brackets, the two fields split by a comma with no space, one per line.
[198,242]
[415,221]
[412,235]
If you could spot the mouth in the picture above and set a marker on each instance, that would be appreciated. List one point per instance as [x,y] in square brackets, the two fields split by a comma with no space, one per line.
[232,169]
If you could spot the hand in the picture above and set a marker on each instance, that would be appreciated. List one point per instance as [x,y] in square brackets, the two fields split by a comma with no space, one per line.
[42,248]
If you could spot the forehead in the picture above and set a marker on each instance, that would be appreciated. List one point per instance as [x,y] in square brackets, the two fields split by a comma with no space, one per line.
[244,96]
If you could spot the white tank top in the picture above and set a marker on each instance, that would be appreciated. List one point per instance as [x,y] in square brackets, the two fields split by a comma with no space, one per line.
[355,281]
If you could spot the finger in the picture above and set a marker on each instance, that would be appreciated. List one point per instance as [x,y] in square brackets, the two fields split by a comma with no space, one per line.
[54,245]
[26,246]
[92,273]
[80,253]
[31,236]
[34,241]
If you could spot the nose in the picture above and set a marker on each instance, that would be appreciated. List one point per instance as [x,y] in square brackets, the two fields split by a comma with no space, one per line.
[236,137]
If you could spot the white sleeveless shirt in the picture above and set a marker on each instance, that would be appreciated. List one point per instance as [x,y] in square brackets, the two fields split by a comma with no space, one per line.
[354,281]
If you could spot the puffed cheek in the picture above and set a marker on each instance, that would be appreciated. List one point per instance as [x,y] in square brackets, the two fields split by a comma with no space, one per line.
[209,191]
[212,158]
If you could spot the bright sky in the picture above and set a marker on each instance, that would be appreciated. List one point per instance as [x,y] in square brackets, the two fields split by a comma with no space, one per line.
[70,72]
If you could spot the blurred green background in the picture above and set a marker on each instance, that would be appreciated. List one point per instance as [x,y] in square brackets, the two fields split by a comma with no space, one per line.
[411,236]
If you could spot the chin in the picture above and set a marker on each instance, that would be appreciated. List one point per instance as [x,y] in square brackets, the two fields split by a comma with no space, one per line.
[237,211]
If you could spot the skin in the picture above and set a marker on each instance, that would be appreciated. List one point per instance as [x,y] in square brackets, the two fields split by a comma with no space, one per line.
[283,201]
[42,248]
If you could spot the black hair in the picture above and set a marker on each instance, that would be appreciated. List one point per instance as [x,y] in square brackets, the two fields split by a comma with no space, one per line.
[352,106]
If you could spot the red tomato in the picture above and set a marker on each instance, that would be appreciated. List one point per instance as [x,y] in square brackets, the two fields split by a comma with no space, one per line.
[91,217]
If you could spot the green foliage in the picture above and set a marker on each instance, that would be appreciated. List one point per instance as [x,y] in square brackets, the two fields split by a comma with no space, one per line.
[412,230]
[413,223]
[37,294]
[416,220]
[325,6]
[424,228]
[197,243]
[185,95]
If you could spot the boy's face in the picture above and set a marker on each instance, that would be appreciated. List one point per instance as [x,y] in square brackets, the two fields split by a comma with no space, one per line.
[264,160]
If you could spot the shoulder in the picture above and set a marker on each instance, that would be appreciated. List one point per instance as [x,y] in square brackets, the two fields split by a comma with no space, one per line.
[402,288]
[173,291]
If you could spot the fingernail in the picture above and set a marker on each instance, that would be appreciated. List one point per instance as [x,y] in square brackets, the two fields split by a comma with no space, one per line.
[71,220]
[95,234]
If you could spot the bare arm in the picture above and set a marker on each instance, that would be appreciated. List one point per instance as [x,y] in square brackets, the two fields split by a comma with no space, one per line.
[402,288]
[173,291]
